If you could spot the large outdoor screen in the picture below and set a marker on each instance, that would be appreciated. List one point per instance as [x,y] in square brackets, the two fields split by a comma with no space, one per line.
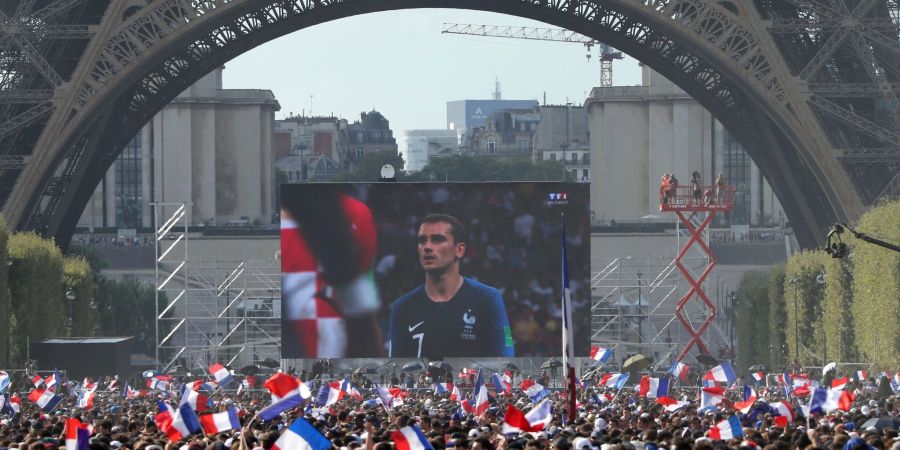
[432,269]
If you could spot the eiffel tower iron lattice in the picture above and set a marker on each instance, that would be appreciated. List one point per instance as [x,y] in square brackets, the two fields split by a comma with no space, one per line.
[807,86]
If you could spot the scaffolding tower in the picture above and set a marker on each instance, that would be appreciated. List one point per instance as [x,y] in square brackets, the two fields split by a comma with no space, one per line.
[226,311]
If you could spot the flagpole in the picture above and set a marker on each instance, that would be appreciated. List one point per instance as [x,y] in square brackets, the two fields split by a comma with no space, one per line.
[567,337]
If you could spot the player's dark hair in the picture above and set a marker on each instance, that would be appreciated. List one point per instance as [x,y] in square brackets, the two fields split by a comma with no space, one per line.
[457,229]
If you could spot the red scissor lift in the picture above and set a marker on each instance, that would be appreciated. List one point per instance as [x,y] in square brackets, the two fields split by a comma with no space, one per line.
[689,208]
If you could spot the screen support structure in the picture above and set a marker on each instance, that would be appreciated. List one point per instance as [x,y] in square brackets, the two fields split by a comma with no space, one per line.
[226,311]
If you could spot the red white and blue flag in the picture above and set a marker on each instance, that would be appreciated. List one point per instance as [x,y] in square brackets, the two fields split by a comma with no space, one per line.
[177,423]
[758,376]
[537,419]
[749,400]
[220,422]
[653,387]
[192,396]
[52,381]
[782,412]
[78,435]
[221,374]
[10,404]
[454,394]
[287,392]
[679,370]
[536,392]
[159,382]
[301,436]
[710,397]
[501,387]
[722,373]
[4,381]
[613,380]
[839,383]
[601,354]
[442,388]
[410,438]
[727,429]
[38,381]
[670,404]
[568,337]
[45,399]
[827,400]
[861,375]
[479,396]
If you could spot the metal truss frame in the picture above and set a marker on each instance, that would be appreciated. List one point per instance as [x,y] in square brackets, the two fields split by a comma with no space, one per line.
[212,311]
[141,56]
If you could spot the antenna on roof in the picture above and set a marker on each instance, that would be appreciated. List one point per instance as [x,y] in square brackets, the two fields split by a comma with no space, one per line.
[497,95]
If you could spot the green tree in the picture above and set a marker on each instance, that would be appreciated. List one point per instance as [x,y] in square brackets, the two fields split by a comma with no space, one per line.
[777,319]
[369,167]
[752,335]
[876,287]
[126,308]
[803,302]
[839,343]
[78,283]
[4,295]
[35,284]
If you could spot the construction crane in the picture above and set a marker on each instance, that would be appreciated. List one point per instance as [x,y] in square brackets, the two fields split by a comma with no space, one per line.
[607,53]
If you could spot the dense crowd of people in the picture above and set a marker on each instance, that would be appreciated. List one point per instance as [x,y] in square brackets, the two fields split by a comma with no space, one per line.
[606,419]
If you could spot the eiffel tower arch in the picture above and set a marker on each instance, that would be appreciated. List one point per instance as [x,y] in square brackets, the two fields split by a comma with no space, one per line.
[807,86]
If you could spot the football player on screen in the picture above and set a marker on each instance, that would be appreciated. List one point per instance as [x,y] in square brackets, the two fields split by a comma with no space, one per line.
[448,315]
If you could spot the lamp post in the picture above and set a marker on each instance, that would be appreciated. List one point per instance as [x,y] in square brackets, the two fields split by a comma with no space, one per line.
[640,312]
[820,279]
[70,295]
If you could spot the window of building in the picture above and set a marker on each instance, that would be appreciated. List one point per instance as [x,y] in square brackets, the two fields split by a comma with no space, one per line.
[492,145]
[574,158]
[584,175]
[736,163]
[574,174]
[524,145]
[129,197]
[553,157]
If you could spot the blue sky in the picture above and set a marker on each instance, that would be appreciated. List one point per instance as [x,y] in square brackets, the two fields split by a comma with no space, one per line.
[399,63]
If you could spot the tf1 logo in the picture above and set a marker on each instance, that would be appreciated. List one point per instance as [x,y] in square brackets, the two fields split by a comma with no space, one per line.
[558,198]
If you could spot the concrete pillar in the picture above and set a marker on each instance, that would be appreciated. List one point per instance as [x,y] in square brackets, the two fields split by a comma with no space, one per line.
[146,174]
[661,151]
[203,162]
[754,195]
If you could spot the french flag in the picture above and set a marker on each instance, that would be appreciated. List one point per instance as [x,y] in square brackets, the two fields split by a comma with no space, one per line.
[479,396]
[758,376]
[52,381]
[77,435]
[454,394]
[515,421]
[723,373]
[601,354]
[784,379]
[128,392]
[10,404]
[287,392]
[500,385]
[670,404]
[191,396]
[613,380]
[442,388]
[220,422]
[410,438]
[86,398]
[710,397]
[783,413]
[727,429]
[38,381]
[653,387]
[839,383]
[827,400]
[383,393]
[534,391]
[159,382]
[301,436]
[221,374]
[177,423]
[801,379]
[45,399]
[749,400]
[679,370]
[861,375]
[4,381]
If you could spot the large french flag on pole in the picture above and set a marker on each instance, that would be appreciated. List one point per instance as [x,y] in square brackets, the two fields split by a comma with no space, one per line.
[679,370]
[301,436]
[221,374]
[827,400]
[177,423]
[45,399]
[479,396]
[516,421]
[568,338]
[500,385]
[727,429]
[287,392]
[410,438]
[4,381]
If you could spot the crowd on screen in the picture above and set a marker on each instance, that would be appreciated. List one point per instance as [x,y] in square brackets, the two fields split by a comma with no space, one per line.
[494,411]
[513,246]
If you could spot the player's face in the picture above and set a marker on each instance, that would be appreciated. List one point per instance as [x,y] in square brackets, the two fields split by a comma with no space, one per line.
[437,248]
